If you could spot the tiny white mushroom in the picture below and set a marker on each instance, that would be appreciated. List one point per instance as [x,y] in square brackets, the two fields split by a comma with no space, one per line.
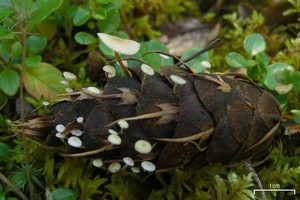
[59,135]
[123,124]
[128,161]
[98,163]
[125,63]
[148,166]
[114,139]
[205,64]
[177,81]
[142,146]
[114,167]
[135,170]
[74,141]
[147,71]
[164,56]
[60,128]
[69,90]
[94,90]
[79,119]
[119,45]
[69,76]
[76,132]
[64,82]
[124,46]
[110,70]
[113,132]
[46,103]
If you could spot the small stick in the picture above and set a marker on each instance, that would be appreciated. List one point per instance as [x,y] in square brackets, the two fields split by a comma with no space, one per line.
[256,178]
[16,190]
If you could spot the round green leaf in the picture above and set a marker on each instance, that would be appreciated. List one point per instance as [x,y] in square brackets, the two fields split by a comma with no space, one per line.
[195,63]
[84,38]
[4,150]
[235,60]
[112,20]
[274,70]
[254,44]
[5,34]
[35,44]
[81,16]
[43,80]
[63,194]
[9,81]
[99,13]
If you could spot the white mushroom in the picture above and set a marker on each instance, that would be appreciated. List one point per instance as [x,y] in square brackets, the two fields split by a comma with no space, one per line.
[114,139]
[205,64]
[69,76]
[59,135]
[147,71]
[79,119]
[60,128]
[142,146]
[94,90]
[177,81]
[164,56]
[128,161]
[123,124]
[69,90]
[114,167]
[46,103]
[110,70]
[64,82]
[135,170]
[76,132]
[98,163]
[113,132]
[74,141]
[148,166]
[119,45]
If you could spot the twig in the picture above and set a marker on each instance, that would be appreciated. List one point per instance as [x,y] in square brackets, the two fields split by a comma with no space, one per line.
[13,187]
[256,178]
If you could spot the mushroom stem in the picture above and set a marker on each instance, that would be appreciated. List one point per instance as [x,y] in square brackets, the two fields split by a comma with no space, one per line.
[124,68]
[174,88]
[143,81]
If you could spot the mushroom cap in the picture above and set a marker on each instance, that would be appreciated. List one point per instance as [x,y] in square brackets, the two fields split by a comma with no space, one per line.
[114,139]
[60,128]
[69,76]
[128,161]
[114,167]
[76,132]
[142,146]
[79,119]
[69,90]
[177,80]
[148,166]
[46,103]
[59,135]
[147,69]
[113,132]
[98,163]
[74,141]
[110,70]
[164,56]
[94,90]
[123,124]
[120,45]
[135,170]
[205,64]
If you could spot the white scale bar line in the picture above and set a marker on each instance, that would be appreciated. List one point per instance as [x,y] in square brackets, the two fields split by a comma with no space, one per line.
[275,190]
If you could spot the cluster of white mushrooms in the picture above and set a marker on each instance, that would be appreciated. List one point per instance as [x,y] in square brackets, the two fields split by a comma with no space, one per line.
[127,47]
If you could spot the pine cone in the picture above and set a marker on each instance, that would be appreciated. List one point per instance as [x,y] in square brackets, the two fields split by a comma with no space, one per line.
[210,119]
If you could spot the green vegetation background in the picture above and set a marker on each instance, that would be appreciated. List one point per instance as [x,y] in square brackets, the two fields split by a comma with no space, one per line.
[52,36]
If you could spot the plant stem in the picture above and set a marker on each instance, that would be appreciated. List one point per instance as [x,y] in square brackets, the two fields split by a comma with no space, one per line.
[256,178]
[13,187]
[24,30]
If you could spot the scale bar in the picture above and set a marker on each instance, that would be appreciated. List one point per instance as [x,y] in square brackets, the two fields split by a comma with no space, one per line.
[275,190]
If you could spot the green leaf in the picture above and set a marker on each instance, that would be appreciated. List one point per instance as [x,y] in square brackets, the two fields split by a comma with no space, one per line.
[154,59]
[235,60]
[5,34]
[112,20]
[63,194]
[34,60]
[16,49]
[3,100]
[43,80]
[296,81]
[195,63]
[9,81]
[5,12]
[35,44]
[81,16]
[296,115]
[99,13]
[4,150]
[277,69]
[118,3]
[42,10]
[254,44]
[262,60]
[84,38]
